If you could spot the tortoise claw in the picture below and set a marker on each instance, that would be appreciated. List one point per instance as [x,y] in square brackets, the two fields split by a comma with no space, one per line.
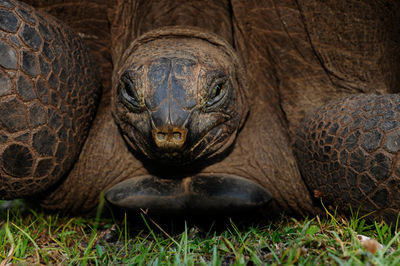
[202,193]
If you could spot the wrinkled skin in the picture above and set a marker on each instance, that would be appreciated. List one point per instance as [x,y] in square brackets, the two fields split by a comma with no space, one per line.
[203,116]
[179,106]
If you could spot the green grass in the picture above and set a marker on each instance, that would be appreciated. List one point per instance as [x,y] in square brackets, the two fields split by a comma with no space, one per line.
[33,236]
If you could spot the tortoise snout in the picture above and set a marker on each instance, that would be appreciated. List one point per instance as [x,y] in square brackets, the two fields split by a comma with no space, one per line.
[169,138]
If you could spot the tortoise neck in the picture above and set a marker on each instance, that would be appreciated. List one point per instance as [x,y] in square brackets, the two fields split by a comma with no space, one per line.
[131,19]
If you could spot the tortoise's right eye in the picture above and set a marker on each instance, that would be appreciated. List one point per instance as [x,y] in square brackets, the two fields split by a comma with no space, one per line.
[128,92]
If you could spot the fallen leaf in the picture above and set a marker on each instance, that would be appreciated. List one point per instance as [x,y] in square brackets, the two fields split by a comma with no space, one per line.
[371,245]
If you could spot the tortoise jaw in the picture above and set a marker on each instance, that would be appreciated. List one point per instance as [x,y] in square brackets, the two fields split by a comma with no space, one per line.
[200,194]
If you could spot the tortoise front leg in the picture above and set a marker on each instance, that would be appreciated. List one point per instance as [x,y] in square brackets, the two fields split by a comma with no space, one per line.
[48,95]
[348,152]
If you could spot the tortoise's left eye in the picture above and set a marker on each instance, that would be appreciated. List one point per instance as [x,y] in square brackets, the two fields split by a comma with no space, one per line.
[218,91]
[128,92]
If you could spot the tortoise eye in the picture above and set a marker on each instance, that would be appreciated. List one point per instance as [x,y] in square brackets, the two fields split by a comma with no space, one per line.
[217,92]
[128,92]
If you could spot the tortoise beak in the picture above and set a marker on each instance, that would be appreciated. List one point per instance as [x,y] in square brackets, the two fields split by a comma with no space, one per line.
[201,193]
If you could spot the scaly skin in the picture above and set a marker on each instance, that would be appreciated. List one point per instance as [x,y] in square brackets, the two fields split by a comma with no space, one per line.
[349,153]
[48,98]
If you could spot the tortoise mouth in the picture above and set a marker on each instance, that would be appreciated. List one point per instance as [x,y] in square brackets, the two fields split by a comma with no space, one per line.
[200,194]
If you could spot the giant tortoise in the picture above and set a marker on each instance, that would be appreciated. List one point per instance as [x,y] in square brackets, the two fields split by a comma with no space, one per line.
[178,106]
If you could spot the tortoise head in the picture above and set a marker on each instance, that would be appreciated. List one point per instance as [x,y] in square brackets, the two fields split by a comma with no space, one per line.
[179,96]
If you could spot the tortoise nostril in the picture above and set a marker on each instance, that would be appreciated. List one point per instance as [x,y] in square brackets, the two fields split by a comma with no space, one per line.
[161,136]
[169,137]
[177,135]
